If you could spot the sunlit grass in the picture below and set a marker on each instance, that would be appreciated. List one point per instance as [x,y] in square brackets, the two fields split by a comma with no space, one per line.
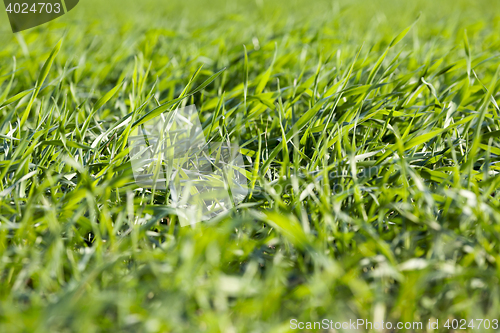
[371,131]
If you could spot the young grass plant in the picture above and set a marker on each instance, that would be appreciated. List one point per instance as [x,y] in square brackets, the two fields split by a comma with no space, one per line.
[372,142]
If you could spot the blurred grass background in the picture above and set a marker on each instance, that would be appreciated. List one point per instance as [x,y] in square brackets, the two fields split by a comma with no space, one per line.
[374,165]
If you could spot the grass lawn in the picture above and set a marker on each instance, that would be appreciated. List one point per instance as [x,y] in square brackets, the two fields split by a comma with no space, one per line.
[371,135]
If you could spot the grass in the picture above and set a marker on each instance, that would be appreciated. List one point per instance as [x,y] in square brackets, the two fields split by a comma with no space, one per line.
[371,131]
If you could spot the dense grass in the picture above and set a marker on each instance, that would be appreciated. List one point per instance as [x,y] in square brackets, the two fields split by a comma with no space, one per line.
[372,139]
